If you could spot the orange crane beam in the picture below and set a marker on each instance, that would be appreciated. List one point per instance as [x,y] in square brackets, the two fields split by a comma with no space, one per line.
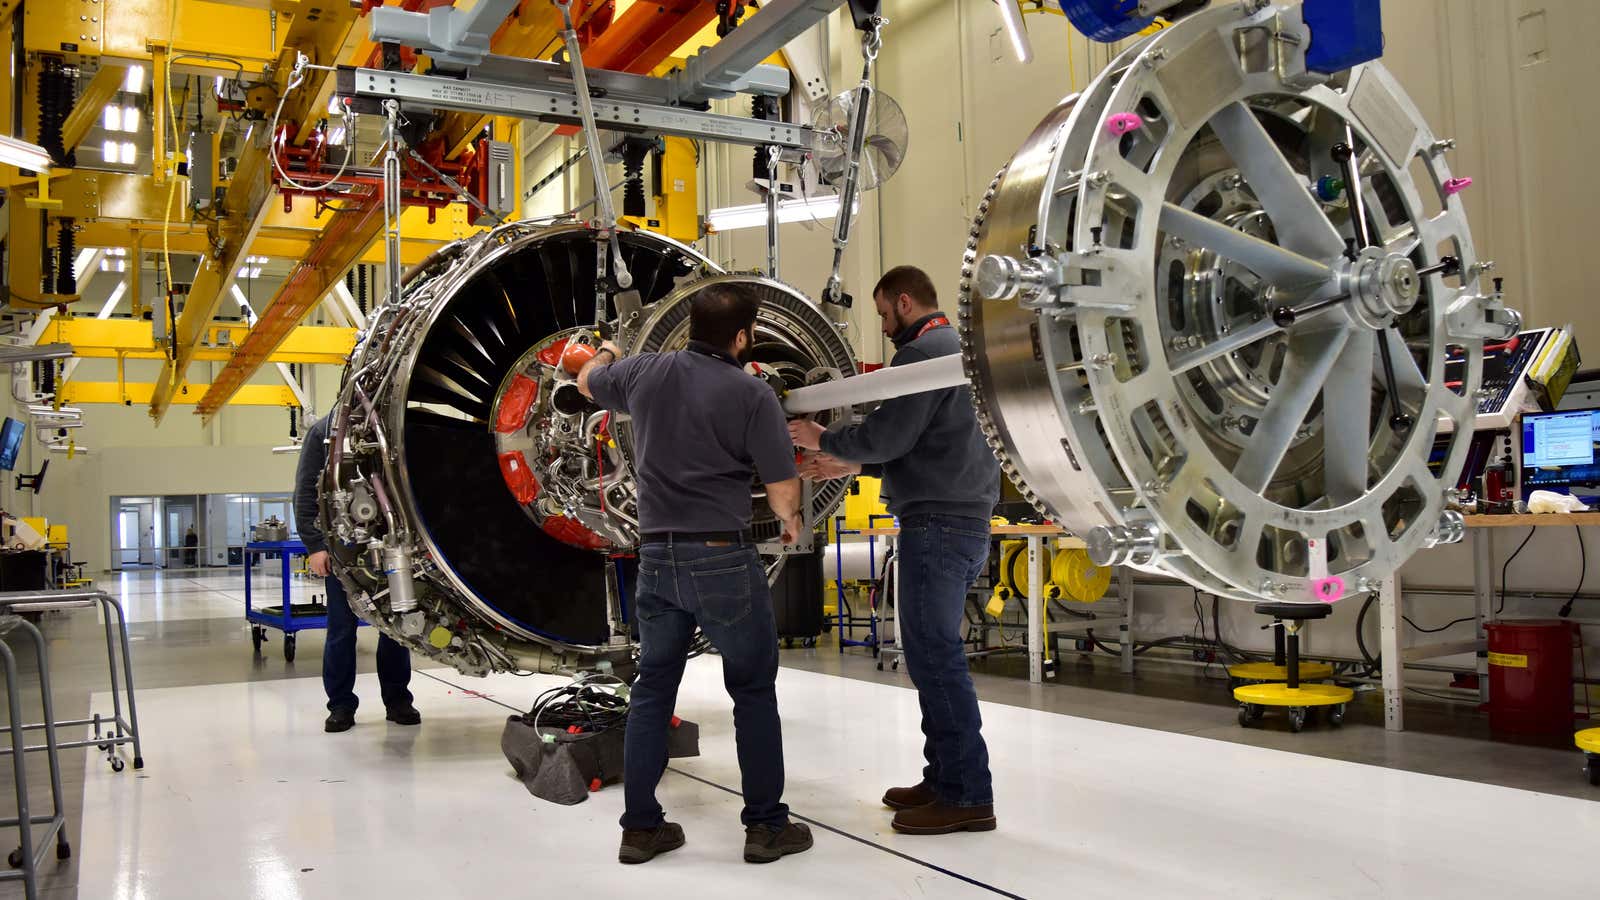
[347,236]
[353,230]
[319,36]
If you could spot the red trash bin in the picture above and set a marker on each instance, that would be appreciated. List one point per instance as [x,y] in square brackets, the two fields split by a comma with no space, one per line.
[1530,676]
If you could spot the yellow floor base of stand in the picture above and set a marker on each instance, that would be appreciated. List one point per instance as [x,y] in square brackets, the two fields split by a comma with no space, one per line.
[1255,698]
[1265,671]
[1588,740]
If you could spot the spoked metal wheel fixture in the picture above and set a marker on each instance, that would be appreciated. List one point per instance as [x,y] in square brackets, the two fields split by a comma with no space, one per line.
[1207,309]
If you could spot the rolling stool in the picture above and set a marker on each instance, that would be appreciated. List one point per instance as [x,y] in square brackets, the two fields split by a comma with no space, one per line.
[1588,740]
[1278,669]
[1298,698]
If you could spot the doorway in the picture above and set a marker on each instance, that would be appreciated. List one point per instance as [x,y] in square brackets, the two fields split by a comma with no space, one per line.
[137,528]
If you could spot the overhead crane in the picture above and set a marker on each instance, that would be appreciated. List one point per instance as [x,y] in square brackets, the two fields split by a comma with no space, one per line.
[227,215]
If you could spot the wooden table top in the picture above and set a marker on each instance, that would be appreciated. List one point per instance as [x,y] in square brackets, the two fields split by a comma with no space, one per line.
[1525,519]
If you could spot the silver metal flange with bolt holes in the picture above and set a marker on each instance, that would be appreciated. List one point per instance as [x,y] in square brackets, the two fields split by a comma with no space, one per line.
[1181,343]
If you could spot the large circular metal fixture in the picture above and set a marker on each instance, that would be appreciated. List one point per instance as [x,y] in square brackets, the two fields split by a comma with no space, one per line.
[1207,307]
[796,345]
[472,494]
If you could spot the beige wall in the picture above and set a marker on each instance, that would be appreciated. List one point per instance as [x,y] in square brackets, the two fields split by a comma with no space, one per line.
[1511,80]
[129,456]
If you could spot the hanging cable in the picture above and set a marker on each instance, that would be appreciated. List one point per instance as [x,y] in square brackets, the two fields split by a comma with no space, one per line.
[1501,608]
[296,78]
[1583,566]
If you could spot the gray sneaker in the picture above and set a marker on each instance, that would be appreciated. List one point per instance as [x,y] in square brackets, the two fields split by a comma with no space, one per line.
[769,843]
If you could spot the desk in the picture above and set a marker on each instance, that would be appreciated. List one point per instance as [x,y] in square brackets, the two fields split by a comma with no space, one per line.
[1036,535]
[1481,530]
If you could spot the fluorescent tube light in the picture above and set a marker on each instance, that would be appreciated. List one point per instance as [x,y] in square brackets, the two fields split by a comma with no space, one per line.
[23,155]
[732,218]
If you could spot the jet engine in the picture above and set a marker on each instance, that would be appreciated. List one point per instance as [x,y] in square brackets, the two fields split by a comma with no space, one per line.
[480,509]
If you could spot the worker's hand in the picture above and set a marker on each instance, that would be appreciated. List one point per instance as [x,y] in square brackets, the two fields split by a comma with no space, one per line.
[319,564]
[806,433]
[576,356]
[822,467]
[616,352]
[793,527]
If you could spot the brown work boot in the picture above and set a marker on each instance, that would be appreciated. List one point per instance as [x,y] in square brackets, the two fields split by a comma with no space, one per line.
[943,818]
[769,843]
[910,797]
[640,845]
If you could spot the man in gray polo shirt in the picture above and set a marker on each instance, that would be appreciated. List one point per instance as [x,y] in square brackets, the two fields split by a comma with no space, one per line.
[702,429]
[941,482]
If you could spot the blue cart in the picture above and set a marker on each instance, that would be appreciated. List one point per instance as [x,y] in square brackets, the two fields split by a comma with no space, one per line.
[284,619]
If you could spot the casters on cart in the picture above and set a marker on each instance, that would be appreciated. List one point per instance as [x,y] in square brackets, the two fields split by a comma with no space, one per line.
[1297,718]
[63,850]
[1588,740]
[258,636]
[117,765]
[288,648]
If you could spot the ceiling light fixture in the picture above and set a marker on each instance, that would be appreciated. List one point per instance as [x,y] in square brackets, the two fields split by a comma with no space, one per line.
[23,155]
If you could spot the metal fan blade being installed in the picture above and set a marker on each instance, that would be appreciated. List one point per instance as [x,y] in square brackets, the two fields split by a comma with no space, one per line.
[885,146]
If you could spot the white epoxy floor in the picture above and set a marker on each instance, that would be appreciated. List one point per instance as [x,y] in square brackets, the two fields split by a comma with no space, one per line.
[244,796]
[158,596]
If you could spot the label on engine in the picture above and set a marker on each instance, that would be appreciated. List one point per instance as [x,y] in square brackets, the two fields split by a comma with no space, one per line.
[1508,660]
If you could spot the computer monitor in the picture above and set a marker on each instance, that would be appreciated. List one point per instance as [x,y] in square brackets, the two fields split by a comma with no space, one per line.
[10,442]
[1561,452]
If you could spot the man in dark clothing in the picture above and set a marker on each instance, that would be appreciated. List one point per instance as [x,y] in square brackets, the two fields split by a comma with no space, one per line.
[942,482]
[339,650]
[702,428]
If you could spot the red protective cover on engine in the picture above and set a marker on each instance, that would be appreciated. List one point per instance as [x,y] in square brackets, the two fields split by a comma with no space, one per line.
[568,531]
[519,478]
[551,355]
[514,407]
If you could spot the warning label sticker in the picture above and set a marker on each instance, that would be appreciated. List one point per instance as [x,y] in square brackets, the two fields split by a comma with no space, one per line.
[1508,660]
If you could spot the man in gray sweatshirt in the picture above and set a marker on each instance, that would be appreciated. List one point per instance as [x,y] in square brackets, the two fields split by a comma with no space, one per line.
[942,482]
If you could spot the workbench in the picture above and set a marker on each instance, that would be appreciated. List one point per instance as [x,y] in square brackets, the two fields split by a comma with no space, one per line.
[1481,530]
[1036,536]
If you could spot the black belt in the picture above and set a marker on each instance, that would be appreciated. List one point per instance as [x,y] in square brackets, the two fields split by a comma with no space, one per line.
[684,537]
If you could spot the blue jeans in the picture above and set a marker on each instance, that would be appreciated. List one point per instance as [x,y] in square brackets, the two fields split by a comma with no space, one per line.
[939,558]
[339,658]
[723,590]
